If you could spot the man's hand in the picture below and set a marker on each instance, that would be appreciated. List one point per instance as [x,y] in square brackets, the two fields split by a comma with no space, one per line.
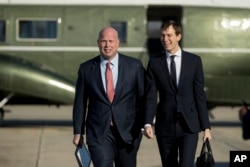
[148,132]
[76,139]
[207,134]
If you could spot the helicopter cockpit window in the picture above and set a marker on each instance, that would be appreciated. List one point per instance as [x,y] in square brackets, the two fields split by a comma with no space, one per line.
[121,28]
[2,31]
[37,29]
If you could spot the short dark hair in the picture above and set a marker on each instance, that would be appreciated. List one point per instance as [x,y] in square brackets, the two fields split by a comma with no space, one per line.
[176,26]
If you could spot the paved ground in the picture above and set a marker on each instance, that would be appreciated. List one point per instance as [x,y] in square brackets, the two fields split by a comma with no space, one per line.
[41,136]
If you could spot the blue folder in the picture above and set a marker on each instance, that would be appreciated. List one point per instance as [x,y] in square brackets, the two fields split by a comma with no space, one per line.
[82,156]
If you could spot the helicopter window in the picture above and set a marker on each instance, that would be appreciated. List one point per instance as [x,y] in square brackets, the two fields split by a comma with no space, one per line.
[2,31]
[37,29]
[121,28]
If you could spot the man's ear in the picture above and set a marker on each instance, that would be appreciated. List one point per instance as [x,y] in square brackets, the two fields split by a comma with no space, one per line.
[179,37]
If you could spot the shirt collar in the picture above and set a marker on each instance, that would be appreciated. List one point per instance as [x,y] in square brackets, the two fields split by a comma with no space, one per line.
[177,54]
[113,61]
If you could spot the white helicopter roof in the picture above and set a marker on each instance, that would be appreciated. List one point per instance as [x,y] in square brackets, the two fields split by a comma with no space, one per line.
[211,3]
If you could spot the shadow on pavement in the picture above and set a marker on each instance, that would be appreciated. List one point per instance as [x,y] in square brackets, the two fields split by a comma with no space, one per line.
[226,123]
[221,164]
[38,122]
[30,123]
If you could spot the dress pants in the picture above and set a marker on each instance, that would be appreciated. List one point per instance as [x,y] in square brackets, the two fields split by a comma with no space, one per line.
[113,151]
[182,144]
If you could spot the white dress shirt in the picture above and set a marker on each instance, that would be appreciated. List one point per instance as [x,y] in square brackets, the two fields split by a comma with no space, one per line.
[114,68]
[177,61]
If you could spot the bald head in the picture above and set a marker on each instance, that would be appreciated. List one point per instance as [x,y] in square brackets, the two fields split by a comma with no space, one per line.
[108,30]
[108,42]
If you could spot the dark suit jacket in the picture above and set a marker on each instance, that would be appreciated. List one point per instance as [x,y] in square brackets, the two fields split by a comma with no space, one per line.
[189,99]
[90,93]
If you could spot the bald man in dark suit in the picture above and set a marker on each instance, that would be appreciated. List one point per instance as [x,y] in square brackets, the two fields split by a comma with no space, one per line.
[110,110]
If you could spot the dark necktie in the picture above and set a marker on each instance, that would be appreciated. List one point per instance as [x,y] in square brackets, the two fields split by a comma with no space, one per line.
[110,90]
[173,71]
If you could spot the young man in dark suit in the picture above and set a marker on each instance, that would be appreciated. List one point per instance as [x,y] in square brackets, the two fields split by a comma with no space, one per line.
[177,77]
[108,100]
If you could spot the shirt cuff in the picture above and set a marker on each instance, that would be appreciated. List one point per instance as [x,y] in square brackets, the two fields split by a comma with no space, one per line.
[147,125]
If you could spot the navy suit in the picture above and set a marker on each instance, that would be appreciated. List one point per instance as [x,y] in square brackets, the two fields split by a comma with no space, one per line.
[181,111]
[93,111]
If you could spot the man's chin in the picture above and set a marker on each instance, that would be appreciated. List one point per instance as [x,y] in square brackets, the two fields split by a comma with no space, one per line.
[109,55]
[168,49]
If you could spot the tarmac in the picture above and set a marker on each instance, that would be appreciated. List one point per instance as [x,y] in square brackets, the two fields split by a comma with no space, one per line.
[41,136]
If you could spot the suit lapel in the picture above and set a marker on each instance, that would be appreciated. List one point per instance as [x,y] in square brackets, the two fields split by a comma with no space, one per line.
[97,75]
[121,74]
[184,67]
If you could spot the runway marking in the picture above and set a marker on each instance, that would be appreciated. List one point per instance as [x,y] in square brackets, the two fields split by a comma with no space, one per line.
[39,147]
